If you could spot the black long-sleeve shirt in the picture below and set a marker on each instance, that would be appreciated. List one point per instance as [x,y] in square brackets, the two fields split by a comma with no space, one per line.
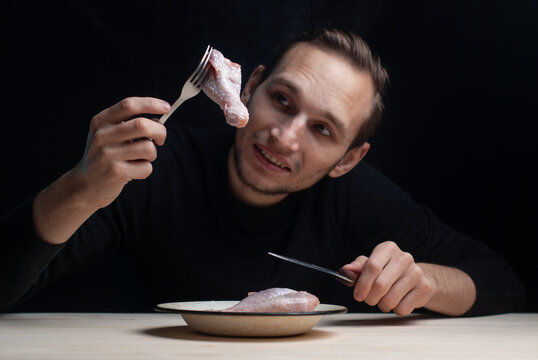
[193,241]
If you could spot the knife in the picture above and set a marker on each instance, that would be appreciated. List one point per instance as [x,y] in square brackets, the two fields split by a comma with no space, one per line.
[315,267]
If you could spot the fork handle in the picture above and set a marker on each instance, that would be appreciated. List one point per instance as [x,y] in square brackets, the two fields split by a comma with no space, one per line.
[175,105]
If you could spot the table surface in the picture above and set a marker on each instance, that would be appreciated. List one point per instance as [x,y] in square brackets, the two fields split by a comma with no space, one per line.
[344,336]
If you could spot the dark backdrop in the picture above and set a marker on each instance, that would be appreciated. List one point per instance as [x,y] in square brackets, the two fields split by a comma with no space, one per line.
[457,133]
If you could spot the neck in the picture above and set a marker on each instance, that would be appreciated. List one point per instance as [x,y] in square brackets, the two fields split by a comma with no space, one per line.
[245,193]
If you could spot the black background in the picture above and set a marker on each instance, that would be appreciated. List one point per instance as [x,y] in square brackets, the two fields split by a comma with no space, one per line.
[458,132]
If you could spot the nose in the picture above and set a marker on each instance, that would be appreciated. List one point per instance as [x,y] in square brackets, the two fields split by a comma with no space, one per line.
[286,136]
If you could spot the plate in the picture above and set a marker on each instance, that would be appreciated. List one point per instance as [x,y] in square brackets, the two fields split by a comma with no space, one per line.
[207,317]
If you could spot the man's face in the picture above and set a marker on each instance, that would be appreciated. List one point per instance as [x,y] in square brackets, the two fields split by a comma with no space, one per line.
[303,118]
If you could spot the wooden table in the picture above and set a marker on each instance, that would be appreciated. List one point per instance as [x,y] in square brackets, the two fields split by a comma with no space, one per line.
[344,336]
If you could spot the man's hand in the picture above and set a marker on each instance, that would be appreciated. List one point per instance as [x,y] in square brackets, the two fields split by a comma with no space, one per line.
[391,279]
[120,148]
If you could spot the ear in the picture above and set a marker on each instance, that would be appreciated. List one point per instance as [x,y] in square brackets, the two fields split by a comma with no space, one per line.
[251,84]
[350,159]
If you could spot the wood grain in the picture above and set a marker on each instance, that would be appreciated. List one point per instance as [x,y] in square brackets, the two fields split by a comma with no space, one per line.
[346,336]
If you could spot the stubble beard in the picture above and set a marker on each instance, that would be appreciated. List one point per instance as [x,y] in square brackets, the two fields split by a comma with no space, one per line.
[282,190]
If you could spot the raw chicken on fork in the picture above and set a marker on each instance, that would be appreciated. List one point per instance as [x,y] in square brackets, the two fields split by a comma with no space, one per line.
[223,87]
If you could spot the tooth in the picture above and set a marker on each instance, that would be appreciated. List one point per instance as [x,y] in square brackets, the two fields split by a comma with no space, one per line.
[272,159]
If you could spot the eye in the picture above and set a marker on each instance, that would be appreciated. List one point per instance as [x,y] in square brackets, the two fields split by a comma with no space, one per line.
[282,100]
[322,129]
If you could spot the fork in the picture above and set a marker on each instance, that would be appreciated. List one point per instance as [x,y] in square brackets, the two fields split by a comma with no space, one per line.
[193,85]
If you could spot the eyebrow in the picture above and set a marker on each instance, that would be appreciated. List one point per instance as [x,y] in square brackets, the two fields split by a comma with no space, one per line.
[297,92]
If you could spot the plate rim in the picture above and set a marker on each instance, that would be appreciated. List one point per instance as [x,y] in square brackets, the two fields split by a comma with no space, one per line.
[161,308]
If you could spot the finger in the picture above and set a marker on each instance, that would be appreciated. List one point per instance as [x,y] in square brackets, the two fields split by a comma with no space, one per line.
[144,128]
[352,270]
[139,150]
[129,130]
[350,275]
[357,264]
[113,173]
[138,169]
[129,107]
[400,289]
[370,271]
[396,269]
[416,298]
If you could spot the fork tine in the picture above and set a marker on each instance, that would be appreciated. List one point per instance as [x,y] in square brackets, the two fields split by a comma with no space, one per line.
[201,72]
[203,77]
[202,64]
[193,85]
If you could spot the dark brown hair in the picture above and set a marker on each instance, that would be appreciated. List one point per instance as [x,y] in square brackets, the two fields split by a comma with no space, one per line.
[354,48]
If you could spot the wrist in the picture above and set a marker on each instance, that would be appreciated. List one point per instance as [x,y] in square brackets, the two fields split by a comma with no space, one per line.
[435,288]
[76,192]
[452,291]
[61,208]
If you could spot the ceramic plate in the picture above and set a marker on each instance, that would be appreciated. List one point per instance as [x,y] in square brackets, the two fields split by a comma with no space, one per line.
[207,317]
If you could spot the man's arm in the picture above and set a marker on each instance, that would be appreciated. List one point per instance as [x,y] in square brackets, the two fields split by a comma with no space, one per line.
[453,292]
[386,212]
[391,280]
[114,155]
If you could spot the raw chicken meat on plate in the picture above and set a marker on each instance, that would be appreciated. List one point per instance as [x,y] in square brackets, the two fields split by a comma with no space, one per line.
[276,300]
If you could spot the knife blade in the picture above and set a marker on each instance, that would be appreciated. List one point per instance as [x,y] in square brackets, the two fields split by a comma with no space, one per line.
[312,266]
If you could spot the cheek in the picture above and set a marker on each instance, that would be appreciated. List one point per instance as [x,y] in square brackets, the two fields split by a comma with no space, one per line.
[262,111]
[322,160]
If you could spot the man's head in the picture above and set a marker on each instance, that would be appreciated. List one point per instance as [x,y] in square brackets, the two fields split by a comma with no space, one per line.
[352,47]
[311,112]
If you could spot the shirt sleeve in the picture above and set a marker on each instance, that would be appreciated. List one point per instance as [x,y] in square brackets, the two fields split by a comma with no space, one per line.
[498,288]
[28,264]
[23,255]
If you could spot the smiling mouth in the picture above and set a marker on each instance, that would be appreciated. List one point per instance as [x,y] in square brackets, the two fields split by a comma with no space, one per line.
[271,159]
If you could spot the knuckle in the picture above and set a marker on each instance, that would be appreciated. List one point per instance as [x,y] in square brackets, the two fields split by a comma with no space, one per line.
[117,172]
[153,155]
[383,308]
[147,170]
[137,124]
[388,303]
[95,122]
[150,150]
[380,286]
[417,272]
[407,258]
[403,310]
[160,138]
[142,126]
[375,267]
[98,138]
[143,146]
[426,286]
[105,153]
[126,104]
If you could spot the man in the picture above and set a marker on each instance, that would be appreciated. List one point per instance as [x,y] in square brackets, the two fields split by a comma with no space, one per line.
[292,181]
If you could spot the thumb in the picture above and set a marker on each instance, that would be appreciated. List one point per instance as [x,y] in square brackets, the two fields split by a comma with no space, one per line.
[353,269]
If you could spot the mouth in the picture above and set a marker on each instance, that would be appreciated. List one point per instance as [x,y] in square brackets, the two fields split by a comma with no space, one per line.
[270,159]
